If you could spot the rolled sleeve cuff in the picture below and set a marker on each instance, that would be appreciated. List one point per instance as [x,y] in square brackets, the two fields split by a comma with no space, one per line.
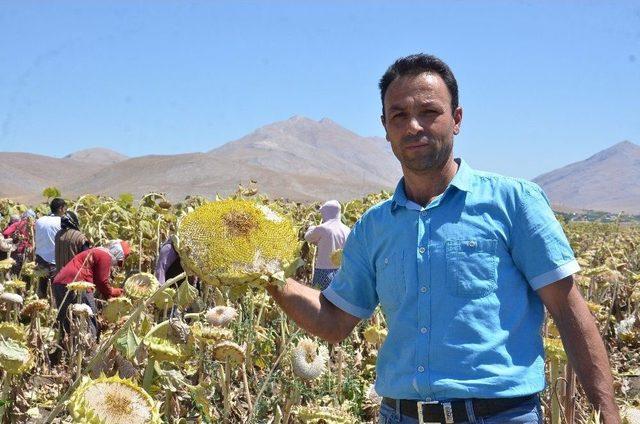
[554,275]
[346,306]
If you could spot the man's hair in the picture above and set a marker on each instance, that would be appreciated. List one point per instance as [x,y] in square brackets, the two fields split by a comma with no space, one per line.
[57,204]
[417,64]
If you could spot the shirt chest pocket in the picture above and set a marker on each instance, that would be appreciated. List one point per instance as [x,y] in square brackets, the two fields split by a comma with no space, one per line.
[471,267]
[390,283]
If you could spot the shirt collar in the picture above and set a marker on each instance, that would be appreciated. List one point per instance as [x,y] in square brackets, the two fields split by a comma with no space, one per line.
[463,180]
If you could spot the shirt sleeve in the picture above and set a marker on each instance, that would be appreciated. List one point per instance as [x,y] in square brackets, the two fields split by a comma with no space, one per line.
[101,274]
[539,247]
[312,235]
[353,289]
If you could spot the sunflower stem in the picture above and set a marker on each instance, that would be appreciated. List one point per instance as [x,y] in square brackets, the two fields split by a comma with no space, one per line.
[227,391]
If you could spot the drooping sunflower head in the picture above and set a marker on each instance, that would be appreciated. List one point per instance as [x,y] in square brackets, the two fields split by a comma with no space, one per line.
[164,299]
[221,316]
[233,241]
[113,400]
[308,359]
[141,285]
[12,299]
[210,335]
[228,351]
[162,349]
[13,331]
[35,307]
[81,310]
[79,286]
[15,285]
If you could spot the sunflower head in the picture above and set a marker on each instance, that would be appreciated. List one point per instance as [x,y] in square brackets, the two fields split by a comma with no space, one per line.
[35,307]
[323,415]
[113,400]
[11,299]
[221,316]
[80,286]
[6,264]
[228,351]
[229,242]
[13,331]
[162,349]
[210,335]
[141,285]
[15,285]
[308,359]
[81,310]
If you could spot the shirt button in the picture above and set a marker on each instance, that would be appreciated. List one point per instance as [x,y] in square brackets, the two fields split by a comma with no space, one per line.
[423,330]
[420,368]
[421,250]
[471,243]
[423,289]
[386,261]
[423,213]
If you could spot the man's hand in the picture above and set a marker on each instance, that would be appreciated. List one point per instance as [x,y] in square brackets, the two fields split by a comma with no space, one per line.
[313,312]
[583,344]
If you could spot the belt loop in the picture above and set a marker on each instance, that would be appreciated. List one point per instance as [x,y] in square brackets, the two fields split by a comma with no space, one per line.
[468,403]
[398,411]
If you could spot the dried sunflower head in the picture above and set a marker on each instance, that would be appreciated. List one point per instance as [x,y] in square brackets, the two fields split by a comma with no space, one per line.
[230,242]
[80,286]
[112,400]
[13,331]
[229,351]
[6,264]
[141,285]
[208,334]
[35,307]
[15,357]
[162,349]
[11,298]
[81,310]
[308,359]
[323,415]
[15,285]
[221,316]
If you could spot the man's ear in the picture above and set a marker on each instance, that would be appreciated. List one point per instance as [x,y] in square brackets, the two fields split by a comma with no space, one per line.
[457,118]
[385,127]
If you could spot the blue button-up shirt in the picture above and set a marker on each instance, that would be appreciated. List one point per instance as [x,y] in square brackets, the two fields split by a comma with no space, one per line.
[456,281]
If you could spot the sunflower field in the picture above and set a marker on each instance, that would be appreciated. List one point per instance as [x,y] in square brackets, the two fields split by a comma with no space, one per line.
[217,349]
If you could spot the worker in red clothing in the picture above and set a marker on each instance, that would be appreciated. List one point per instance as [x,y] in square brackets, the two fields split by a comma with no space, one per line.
[93,265]
[20,232]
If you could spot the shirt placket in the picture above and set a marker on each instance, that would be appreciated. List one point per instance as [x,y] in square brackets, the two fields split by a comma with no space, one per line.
[424,305]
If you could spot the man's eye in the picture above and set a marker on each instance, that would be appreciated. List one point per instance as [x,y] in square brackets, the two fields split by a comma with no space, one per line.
[398,116]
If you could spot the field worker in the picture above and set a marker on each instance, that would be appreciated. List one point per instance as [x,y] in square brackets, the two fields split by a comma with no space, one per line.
[20,233]
[329,237]
[69,241]
[463,263]
[46,229]
[92,265]
[168,264]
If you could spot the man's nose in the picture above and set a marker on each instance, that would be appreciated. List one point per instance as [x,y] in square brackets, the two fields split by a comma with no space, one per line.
[414,126]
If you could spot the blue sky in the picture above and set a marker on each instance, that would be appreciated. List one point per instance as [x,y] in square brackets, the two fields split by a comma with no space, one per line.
[542,83]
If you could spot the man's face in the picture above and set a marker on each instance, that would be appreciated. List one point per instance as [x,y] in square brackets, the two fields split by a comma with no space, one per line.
[419,123]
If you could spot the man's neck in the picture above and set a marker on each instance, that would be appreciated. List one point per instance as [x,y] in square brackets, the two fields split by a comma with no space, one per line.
[423,187]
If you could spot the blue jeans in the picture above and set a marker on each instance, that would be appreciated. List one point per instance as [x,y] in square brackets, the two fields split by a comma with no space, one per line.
[528,412]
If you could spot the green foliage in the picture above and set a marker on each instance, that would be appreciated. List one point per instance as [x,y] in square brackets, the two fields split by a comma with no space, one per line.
[51,192]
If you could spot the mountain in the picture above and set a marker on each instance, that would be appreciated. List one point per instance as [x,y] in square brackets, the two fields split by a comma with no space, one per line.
[97,155]
[299,158]
[607,181]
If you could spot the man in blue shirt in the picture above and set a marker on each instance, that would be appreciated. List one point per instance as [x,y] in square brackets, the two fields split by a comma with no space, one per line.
[462,263]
